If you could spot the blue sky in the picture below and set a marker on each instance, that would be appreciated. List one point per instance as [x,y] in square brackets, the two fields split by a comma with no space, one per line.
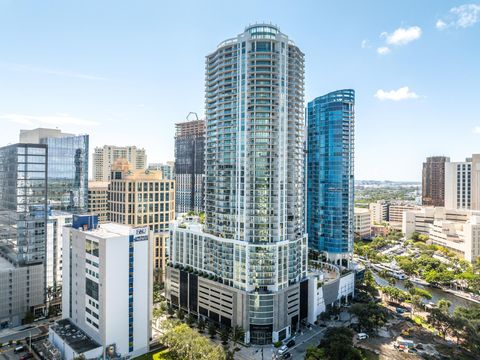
[126,71]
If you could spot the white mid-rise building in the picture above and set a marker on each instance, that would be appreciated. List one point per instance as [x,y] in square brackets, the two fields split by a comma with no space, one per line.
[104,157]
[462,184]
[362,223]
[457,230]
[107,296]
[53,271]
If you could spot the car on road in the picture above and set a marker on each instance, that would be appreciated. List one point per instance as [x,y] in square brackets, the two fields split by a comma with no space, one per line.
[28,355]
[362,336]
[291,343]
[283,349]
[19,349]
[287,356]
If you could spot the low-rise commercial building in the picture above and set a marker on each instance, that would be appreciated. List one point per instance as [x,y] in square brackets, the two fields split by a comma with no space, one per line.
[396,210]
[457,230]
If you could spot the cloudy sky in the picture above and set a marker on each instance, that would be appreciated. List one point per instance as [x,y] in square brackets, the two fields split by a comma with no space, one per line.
[126,71]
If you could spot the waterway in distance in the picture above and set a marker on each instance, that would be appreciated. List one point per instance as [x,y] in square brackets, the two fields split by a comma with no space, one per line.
[437,294]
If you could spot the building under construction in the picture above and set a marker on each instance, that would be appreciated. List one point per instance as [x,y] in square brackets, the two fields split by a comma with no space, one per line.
[189,166]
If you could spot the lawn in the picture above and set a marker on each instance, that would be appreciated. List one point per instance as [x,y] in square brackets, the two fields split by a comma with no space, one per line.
[156,355]
[420,321]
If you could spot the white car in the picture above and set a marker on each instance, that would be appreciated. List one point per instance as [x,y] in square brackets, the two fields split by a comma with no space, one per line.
[362,336]
[282,349]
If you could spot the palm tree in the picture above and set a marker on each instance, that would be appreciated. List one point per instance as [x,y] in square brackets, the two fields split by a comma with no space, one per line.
[201,325]
[225,335]
[237,335]
[212,329]
[408,284]
[444,305]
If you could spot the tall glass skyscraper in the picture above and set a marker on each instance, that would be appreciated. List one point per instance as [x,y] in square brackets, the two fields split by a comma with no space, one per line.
[252,250]
[189,165]
[67,168]
[330,181]
[23,225]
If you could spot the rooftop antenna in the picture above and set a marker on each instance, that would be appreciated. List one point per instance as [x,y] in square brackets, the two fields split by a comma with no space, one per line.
[192,113]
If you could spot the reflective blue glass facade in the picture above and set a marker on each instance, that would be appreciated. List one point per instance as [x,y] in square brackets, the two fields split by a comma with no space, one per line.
[67,173]
[330,177]
[23,203]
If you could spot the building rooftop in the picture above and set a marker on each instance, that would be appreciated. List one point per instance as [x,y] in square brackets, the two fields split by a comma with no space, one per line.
[5,264]
[74,336]
[109,230]
[362,210]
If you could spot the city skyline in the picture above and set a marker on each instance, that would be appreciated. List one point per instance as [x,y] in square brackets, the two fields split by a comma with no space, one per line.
[84,73]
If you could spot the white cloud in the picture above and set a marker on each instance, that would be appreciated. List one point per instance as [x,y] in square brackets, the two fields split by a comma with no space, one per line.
[383,50]
[467,15]
[402,93]
[402,36]
[41,70]
[57,120]
[462,16]
[440,24]
[476,130]
[366,44]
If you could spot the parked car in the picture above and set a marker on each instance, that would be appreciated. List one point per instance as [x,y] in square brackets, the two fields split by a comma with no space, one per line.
[283,349]
[28,355]
[19,349]
[362,336]
[291,343]
[287,356]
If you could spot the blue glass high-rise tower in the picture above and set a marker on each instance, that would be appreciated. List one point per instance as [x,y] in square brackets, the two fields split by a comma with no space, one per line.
[330,179]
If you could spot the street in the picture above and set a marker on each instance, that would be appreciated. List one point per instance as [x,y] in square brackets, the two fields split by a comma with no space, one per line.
[309,337]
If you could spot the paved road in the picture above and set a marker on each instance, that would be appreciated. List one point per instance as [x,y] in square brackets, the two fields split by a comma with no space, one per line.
[309,337]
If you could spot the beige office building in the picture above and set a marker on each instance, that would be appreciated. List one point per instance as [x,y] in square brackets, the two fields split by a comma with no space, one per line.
[98,199]
[396,210]
[362,223]
[143,197]
[378,212]
[104,157]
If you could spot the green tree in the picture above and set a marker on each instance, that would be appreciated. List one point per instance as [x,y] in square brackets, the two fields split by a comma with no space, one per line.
[29,317]
[315,353]
[237,335]
[370,316]
[212,329]
[424,294]
[185,343]
[440,320]
[201,325]
[337,344]
[224,334]
[180,314]
[408,285]
[190,319]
